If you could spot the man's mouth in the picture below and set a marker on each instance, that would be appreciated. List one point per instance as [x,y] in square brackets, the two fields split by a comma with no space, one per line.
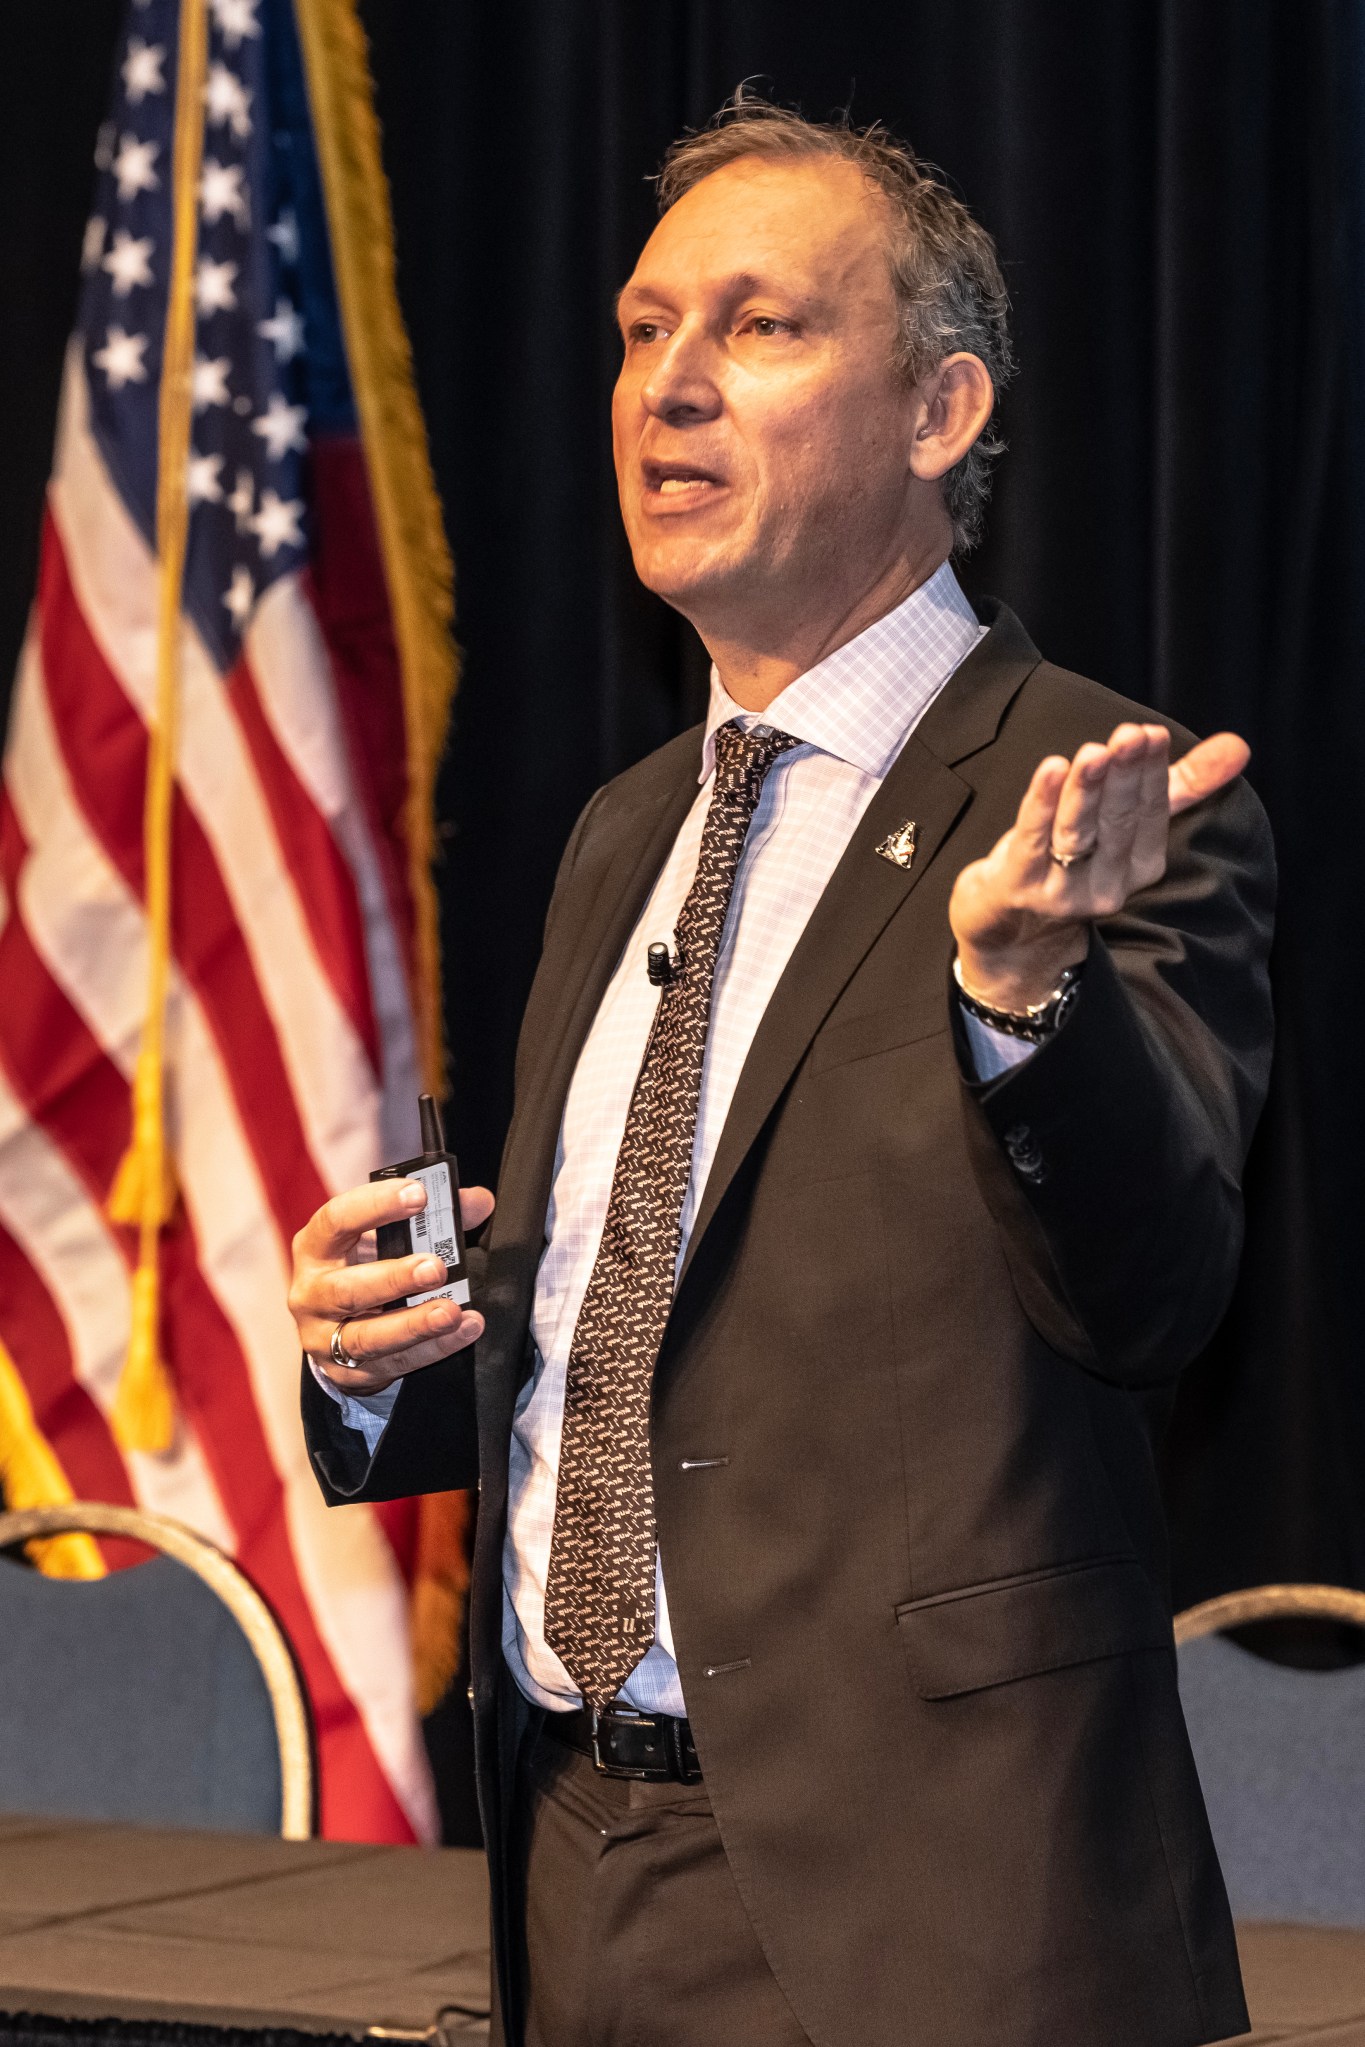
[683,482]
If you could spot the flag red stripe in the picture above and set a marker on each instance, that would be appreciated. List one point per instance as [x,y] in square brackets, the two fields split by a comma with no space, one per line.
[326,887]
[104,744]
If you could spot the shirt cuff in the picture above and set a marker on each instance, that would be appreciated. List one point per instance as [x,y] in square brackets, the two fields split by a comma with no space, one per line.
[993,1053]
[368,1412]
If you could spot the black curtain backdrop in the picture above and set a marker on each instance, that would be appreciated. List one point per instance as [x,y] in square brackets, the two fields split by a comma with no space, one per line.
[1177,191]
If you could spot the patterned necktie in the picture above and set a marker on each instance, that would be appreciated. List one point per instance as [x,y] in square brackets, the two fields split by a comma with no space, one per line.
[599,1596]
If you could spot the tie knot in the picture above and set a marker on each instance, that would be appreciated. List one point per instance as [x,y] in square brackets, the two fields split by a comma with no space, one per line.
[744,758]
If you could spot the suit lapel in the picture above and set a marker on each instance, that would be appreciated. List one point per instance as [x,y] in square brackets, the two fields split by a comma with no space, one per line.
[866,890]
[863,893]
[614,895]
[606,895]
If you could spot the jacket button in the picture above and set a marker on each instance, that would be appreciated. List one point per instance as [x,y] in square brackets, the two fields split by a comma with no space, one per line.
[1024,1154]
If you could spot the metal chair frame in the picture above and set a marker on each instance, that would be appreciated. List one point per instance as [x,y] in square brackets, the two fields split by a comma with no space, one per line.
[267,1641]
[1270,1602]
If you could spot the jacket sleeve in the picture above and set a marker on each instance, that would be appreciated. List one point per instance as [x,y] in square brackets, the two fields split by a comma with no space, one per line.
[1112,1160]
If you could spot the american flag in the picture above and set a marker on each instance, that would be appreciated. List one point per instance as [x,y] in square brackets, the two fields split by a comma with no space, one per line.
[291,1061]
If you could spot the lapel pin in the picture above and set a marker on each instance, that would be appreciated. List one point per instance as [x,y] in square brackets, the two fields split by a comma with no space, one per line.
[899,846]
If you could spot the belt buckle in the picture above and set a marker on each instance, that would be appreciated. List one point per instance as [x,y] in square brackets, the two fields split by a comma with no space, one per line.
[610,1768]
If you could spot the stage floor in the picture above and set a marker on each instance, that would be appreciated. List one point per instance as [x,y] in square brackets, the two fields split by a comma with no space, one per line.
[243,1930]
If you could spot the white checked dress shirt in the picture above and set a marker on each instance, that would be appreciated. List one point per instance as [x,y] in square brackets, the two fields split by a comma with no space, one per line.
[852,713]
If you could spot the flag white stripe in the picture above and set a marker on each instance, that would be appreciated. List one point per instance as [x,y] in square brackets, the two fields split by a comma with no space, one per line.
[288,655]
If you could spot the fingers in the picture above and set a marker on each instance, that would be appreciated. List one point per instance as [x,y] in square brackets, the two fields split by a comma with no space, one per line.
[381,1356]
[1148,854]
[1208,767]
[340,1223]
[360,1289]
[1033,827]
[1121,777]
[372,1339]
[1090,807]
[1084,791]
[337,1227]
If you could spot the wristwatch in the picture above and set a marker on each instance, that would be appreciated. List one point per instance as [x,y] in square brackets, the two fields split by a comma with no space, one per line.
[1039,1022]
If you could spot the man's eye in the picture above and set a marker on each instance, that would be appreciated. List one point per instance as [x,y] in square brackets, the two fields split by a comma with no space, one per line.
[766,325]
[645,330]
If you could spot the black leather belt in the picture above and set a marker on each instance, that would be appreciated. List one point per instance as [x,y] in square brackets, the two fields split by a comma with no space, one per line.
[657,1748]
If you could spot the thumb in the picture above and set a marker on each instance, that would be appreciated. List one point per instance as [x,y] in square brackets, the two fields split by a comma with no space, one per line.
[1208,767]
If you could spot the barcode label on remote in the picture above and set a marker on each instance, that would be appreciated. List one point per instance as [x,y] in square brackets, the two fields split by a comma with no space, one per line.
[433,1233]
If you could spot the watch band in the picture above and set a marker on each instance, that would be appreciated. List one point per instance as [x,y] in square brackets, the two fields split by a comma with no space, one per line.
[1039,1022]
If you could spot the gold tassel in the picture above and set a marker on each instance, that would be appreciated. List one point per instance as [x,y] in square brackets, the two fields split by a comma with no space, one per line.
[143,1415]
[30,1476]
[440,1583]
[143,1192]
[127,1201]
[407,510]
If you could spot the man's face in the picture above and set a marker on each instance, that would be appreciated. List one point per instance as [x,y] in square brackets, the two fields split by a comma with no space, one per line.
[761,432]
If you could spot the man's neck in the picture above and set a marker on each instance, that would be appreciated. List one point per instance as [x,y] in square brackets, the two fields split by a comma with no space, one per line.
[756,660]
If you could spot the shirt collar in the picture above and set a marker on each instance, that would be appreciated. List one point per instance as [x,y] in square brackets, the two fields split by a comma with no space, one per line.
[862,701]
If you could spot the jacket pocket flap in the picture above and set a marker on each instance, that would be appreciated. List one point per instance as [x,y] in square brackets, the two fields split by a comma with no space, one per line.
[881,1030]
[1017,1627]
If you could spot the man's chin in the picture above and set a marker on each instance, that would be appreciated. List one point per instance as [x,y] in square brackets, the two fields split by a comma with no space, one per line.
[690,579]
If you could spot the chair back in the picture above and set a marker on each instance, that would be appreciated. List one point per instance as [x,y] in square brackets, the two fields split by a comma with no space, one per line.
[1281,1757]
[164,1694]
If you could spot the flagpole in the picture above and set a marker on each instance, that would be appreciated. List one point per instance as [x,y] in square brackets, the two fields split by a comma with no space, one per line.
[144,1189]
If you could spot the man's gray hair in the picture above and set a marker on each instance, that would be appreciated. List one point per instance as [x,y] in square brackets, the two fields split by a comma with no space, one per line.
[944,268]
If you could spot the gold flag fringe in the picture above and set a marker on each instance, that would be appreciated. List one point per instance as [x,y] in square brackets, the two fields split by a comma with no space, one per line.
[143,1416]
[31,1476]
[417,564]
[440,1583]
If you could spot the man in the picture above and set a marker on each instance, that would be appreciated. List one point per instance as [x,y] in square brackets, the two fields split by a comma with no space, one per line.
[882,1099]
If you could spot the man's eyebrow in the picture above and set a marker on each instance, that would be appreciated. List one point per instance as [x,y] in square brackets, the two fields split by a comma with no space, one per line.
[631,290]
[735,286]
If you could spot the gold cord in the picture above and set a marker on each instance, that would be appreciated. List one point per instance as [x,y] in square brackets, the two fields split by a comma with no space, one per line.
[144,1188]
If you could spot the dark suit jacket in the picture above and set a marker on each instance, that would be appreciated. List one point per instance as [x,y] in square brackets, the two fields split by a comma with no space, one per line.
[921,1613]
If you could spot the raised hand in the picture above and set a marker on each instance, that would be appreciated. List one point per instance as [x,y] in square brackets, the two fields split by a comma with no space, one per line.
[1090,832]
[335,1281]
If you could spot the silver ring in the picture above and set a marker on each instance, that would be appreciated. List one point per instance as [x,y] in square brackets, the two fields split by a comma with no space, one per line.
[1073,859]
[340,1355]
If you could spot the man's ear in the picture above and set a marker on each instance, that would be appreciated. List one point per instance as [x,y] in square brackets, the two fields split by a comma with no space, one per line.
[956,401]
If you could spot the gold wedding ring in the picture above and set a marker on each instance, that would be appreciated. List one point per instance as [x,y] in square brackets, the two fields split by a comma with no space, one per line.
[340,1355]
[1073,859]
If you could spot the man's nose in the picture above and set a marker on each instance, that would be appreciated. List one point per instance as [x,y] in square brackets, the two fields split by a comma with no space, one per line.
[681,383]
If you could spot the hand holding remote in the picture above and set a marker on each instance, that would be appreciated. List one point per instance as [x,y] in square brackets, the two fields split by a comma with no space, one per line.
[339,1280]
